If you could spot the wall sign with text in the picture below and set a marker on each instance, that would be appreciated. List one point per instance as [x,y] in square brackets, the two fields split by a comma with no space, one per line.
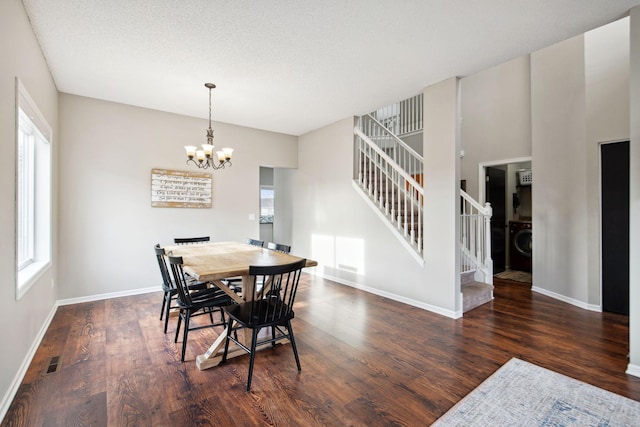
[179,189]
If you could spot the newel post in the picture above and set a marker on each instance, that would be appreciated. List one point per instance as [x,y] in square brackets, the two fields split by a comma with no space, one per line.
[488,212]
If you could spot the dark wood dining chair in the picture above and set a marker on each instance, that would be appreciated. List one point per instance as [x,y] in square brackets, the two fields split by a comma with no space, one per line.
[191,240]
[279,247]
[233,282]
[169,288]
[254,242]
[195,303]
[274,310]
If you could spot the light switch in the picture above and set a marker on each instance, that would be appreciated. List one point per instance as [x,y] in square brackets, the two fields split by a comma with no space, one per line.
[252,217]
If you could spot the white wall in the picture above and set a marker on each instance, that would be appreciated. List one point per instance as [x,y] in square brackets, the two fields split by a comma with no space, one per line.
[106,218]
[634,196]
[22,321]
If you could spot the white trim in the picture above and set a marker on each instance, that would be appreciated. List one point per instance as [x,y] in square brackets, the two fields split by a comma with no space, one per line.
[416,256]
[17,380]
[481,172]
[572,301]
[432,308]
[29,275]
[633,370]
[109,295]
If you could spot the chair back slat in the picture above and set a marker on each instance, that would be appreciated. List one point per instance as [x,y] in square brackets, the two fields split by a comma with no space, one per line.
[180,280]
[167,283]
[255,242]
[191,240]
[279,247]
[277,303]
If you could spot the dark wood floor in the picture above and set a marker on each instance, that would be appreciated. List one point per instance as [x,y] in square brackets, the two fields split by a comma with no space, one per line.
[365,360]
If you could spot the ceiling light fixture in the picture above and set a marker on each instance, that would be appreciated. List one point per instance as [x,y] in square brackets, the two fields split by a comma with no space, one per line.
[204,158]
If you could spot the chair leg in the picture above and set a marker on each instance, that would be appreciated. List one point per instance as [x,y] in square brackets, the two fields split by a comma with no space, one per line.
[252,355]
[293,345]
[180,314]
[186,333]
[273,335]
[164,302]
[168,308]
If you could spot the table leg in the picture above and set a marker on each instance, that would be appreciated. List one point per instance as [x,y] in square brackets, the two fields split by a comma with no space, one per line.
[213,356]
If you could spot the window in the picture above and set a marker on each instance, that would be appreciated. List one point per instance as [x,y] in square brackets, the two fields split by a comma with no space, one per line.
[266,204]
[33,192]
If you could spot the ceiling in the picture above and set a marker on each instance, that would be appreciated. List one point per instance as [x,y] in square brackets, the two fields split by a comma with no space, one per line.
[291,66]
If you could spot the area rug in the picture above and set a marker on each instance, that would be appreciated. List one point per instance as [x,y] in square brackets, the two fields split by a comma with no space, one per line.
[523,394]
[516,276]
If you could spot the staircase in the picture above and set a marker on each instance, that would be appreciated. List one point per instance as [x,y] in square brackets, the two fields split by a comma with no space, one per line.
[389,175]
[476,266]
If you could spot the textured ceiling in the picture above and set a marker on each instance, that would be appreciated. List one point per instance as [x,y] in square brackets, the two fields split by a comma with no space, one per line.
[291,66]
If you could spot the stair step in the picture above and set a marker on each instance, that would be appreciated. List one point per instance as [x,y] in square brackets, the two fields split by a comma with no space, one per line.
[467,277]
[475,294]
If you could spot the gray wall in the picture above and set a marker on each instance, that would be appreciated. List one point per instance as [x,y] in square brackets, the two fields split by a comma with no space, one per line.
[496,118]
[106,160]
[634,237]
[22,321]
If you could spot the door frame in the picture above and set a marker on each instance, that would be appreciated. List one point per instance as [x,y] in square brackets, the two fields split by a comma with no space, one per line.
[600,144]
[482,196]
[482,166]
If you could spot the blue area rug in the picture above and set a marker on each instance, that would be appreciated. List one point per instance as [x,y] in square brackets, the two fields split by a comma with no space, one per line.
[523,394]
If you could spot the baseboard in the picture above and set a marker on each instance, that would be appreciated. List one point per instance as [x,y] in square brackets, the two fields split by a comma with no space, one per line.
[563,298]
[109,295]
[633,370]
[13,389]
[17,380]
[432,308]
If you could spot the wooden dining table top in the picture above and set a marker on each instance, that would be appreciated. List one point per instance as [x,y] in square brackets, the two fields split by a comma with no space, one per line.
[219,260]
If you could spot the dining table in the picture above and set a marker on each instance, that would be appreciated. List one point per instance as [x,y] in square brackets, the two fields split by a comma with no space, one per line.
[215,261]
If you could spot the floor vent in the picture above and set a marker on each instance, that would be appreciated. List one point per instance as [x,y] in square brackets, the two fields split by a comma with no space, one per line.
[53,365]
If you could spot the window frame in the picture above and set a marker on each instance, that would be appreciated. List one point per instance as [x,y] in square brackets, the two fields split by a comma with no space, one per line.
[31,122]
[267,219]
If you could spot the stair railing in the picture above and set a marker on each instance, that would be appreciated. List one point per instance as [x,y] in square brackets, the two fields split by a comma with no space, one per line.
[398,193]
[475,235]
[402,118]
[400,153]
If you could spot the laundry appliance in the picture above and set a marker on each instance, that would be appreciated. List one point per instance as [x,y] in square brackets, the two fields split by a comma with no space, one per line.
[520,245]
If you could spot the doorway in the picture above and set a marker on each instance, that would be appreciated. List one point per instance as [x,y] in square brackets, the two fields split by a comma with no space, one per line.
[614,184]
[507,185]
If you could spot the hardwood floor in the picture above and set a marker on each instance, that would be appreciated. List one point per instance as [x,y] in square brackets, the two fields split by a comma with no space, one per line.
[365,360]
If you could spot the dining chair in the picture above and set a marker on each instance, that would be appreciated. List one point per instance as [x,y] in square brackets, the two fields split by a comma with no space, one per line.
[279,247]
[195,303]
[233,282]
[274,310]
[191,240]
[169,288]
[255,242]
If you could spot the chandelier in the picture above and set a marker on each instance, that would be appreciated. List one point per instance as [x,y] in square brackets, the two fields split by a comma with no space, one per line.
[204,158]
